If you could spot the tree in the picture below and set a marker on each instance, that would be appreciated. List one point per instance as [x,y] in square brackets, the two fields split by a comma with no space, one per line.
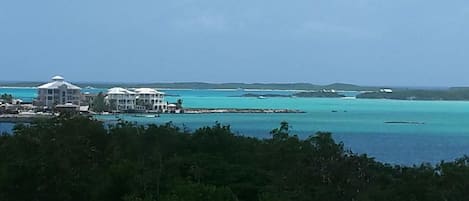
[111,105]
[179,104]
[8,98]
[70,158]
[281,132]
[99,103]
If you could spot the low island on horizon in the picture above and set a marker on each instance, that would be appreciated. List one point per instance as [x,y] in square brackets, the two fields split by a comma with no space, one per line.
[304,90]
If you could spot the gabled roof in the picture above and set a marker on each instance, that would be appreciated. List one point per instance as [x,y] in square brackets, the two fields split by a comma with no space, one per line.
[58,81]
[119,90]
[147,91]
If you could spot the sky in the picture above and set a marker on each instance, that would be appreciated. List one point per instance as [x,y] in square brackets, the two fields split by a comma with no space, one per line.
[366,42]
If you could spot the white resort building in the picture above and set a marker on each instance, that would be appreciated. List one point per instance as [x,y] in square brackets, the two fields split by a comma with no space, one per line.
[146,99]
[121,99]
[58,92]
[151,99]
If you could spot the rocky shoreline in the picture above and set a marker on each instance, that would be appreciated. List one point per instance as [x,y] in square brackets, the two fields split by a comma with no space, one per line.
[28,118]
[236,110]
[22,118]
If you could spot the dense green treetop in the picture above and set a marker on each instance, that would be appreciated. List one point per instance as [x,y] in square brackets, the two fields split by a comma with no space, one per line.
[76,158]
[8,98]
[99,103]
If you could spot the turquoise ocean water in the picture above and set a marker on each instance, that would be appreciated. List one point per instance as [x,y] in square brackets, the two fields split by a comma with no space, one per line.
[443,132]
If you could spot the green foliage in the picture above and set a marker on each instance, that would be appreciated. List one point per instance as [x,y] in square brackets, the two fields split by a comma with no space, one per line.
[179,104]
[453,94]
[196,191]
[99,103]
[75,158]
[281,133]
[319,94]
[8,98]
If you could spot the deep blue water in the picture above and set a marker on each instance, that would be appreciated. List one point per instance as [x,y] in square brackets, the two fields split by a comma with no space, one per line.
[6,127]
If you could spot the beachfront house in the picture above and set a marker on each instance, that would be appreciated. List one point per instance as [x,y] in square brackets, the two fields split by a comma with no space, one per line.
[151,99]
[121,99]
[58,92]
[142,99]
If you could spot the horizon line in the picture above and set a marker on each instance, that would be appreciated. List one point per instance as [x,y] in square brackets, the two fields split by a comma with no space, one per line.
[222,83]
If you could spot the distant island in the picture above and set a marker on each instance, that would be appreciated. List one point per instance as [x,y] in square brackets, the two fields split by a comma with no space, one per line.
[319,94]
[450,94]
[265,95]
[202,85]
[306,94]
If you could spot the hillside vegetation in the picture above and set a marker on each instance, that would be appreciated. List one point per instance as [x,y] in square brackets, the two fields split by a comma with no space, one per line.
[75,158]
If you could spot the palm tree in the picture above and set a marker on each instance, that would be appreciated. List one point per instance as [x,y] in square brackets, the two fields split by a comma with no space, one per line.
[179,104]
[8,98]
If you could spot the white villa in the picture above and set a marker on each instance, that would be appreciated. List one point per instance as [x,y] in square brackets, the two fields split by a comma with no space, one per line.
[140,99]
[152,99]
[63,95]
[58,92]
[121,99]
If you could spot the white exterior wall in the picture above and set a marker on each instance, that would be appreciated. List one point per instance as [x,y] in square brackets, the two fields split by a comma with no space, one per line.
[58,92]
[156,101]
[130,100]
[152,98]
[121,99]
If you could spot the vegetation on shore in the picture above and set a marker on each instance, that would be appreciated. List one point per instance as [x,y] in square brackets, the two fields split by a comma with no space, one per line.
[452,94]
[319,94]
[75,158]
[266,95]
[306,94]
[7,98]
[99,104]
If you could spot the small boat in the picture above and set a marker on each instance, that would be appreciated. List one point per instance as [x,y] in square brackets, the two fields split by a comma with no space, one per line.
[261,97]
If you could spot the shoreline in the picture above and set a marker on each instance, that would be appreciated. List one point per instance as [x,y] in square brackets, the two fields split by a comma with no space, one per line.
[22,118]
[29,118]
[237,110]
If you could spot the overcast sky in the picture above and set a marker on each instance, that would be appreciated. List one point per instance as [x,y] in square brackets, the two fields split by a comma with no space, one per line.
[368,42]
